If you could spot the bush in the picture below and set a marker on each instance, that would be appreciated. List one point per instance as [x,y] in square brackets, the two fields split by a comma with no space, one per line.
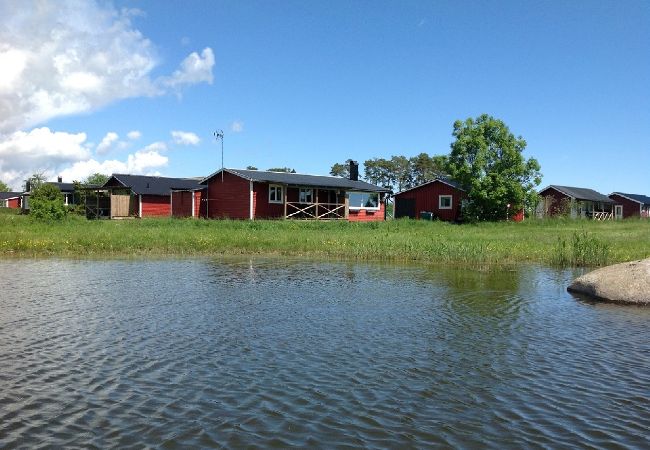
[46,203]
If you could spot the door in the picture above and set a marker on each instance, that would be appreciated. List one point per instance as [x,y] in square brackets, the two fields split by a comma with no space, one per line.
[618,211]
[405,207]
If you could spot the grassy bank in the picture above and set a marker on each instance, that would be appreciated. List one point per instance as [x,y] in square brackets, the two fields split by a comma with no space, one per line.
[556,242]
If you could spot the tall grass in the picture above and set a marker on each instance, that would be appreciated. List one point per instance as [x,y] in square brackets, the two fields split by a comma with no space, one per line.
[557,242]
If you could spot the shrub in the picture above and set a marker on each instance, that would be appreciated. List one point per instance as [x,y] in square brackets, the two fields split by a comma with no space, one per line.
[46,203]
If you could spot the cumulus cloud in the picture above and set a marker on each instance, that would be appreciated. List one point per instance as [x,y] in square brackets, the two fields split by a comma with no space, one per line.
[58,153]
[185,138]
[73,56]
[237,126]
[134,135]
[107,142]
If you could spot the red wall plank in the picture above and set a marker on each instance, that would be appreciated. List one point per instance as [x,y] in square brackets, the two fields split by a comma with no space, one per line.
[228,199]
[182,204]
[630,208]
[365,215]
[156,205]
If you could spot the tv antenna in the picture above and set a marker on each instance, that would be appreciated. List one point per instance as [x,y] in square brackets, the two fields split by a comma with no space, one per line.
[219,135]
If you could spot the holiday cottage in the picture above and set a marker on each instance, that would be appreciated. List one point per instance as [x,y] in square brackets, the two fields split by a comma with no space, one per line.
[630,205]
[574,202]
[440,199]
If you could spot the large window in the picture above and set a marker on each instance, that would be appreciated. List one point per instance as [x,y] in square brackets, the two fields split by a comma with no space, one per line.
[306,195]
[444,201]
[275,194]
[364,200]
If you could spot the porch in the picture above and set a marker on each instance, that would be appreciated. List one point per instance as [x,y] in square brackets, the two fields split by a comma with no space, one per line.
[307,203]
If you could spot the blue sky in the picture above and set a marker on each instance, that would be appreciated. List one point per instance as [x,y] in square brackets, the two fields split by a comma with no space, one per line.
[306,84]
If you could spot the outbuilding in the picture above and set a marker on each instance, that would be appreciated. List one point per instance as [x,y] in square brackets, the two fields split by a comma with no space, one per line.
[440,198]
[148,196]
[257,194]
[10,199]
[576,202]
[630,205]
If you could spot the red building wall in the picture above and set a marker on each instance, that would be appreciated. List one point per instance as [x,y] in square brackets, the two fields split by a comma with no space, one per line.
[366,215]
[559,199]
[13,202]
[427,199]
[182,203]
[262,209]
[228,198]
[199,204]
[156,205]
[630,208]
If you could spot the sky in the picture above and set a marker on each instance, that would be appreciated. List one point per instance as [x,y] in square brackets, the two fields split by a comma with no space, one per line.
[139,86]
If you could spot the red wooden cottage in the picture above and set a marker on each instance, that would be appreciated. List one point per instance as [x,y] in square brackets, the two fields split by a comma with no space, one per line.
[575,202]
[440,198]
[148,196]
[10,199]
[630,205]
[257,194]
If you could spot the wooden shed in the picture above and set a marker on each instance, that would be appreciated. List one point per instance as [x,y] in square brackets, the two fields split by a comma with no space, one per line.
[10,199]
[630,205]
[257,194]
[145,196]
[440,198]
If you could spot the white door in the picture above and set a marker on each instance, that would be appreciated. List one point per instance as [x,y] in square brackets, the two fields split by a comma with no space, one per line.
[618,211]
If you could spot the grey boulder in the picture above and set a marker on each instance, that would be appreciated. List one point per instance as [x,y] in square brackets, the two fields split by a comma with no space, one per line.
[621,283]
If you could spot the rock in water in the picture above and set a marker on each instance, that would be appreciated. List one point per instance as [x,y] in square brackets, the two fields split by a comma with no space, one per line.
[622,283]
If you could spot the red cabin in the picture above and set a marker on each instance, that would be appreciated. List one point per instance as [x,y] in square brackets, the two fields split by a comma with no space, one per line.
[257,194]
[630,205]
[10,199]
[437,199]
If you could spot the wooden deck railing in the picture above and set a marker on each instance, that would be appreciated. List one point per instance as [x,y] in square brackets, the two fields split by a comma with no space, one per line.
[602,215]
[317,211]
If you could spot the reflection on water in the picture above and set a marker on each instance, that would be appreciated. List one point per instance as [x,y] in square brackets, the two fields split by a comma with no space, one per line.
[282,352]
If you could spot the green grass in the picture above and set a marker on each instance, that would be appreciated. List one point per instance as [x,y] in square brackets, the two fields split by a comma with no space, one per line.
[559,242]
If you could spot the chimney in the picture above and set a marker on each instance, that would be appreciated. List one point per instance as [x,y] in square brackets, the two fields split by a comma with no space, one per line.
[354,170]
[28,186]
[59,179]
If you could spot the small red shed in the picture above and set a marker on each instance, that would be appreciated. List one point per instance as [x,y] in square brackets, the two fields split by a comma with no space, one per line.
[440,197]
[630,205]
[146,196]
[10,199]
[257,194]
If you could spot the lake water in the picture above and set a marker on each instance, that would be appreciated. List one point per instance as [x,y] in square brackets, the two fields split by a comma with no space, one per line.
[286,352]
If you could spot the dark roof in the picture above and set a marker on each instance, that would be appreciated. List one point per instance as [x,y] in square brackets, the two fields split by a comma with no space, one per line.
[440,179]
[580,193]
[298,179]
[63,187]
[643,199]
[6,195]
[141,184]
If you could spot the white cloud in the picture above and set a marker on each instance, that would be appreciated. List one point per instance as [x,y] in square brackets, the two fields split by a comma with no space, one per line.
[194,69]
[73,56]
[185,138]
[66,154]
[107,142]
[237,126]
[134,135]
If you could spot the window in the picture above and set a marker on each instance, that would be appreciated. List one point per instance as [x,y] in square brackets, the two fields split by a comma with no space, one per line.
[444,201]
[364,200]
[306,195]
[275,194]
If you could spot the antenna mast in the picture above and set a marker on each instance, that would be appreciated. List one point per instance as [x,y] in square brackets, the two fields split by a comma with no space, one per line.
[219,135]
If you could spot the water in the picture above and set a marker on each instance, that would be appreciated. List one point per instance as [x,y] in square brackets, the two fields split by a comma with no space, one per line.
[282,353]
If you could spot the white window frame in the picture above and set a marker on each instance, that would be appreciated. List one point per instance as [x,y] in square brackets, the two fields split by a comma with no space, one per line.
[451,201]
[303,193]
[368,208]
[278,189]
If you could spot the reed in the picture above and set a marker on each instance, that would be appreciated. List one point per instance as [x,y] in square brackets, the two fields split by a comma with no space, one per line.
[562,243]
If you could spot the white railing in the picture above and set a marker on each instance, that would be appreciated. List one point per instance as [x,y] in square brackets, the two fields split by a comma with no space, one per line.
[603,215]
[318,211]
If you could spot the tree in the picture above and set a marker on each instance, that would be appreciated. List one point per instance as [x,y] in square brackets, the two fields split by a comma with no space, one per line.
[282,169]
[4,187]
[96,179]
[486,159]
[46,203]
[251,168]
[34,181]
[340,170]
[379,171]
[426,168]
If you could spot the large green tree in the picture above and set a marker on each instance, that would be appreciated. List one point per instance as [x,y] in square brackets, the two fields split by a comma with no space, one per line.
[426,168]
[340,170]
[4,187]
[487,160]
[96,179]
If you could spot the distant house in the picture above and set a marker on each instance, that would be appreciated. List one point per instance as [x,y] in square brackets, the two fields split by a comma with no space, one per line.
[70,198]
[256,194]
[440,198]
[575,202]
[149,196]
[10,199]
[630,205]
